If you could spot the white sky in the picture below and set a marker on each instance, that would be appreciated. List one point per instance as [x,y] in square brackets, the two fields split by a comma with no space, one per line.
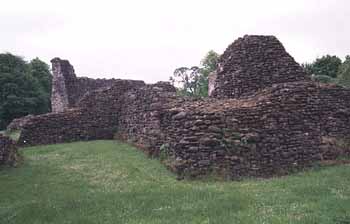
[148,39]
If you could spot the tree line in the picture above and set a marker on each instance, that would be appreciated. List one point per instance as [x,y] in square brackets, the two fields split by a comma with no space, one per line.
[193,81]
[25,88]
[330,69]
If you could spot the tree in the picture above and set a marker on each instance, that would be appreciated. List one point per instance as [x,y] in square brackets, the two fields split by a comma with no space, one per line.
[308,68]
[12,64]
[41,71]
[324,66]
[209,65]
[344,73]
[193,81]
[188,79]
[23,88]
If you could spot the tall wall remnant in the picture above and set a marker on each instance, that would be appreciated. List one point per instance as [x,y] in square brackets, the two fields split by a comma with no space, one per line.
[253,63]
[67,88]
[62,71]
[265,117]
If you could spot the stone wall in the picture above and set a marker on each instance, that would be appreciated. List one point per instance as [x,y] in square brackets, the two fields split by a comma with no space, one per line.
[8,151]
[140,116]
[253,63]
[334,111]
[63,73]
[278,130]
[70,125]
[68,89]
[267,118]
[95,117]
[18,123]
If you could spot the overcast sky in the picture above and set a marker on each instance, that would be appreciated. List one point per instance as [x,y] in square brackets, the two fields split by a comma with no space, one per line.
[148,39]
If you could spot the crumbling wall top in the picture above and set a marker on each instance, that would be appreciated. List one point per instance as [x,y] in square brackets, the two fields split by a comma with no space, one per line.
[68,89]
[252,63]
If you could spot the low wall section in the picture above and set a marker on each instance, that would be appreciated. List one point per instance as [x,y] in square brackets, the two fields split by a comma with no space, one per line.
[271,133]
[280,129]
[8,152]
[96,117]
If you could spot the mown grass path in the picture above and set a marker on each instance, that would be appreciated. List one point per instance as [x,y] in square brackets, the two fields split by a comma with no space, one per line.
[112,182]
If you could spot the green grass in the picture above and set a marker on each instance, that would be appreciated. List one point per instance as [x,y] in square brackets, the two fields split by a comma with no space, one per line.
[111,182]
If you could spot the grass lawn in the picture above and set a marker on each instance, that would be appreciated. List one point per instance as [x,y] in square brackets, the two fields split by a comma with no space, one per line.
[112,182]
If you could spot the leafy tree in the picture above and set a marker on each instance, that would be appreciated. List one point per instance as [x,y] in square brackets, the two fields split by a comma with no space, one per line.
[193,81]
[209,65]
[188,78]
[24,88]
[324,66]
[344,73]
[308,68]
[41,71]
[11,64]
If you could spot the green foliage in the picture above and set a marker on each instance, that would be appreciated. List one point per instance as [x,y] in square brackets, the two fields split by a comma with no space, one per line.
[194,81]
[164,151]
[110,182]
[188,78]
[324,66]
[11,64]
[308,68]
[344,73]
[41,71]
[24,88]
[209,62]
[209,65]
[323,79]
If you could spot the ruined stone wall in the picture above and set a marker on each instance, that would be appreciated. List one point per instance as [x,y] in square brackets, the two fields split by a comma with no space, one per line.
[272,133]
[70,125]
[265,117]
[63,79]
[85,85]
[140,116]
[95,117]
[8,151]
[68,89]
[18,123]
[276,131]
[334,111]
[253,63]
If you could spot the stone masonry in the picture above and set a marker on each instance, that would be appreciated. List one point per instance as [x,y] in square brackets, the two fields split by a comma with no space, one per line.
[67,89]
[265,117]
[18,123]
[8,152]
[253,63]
